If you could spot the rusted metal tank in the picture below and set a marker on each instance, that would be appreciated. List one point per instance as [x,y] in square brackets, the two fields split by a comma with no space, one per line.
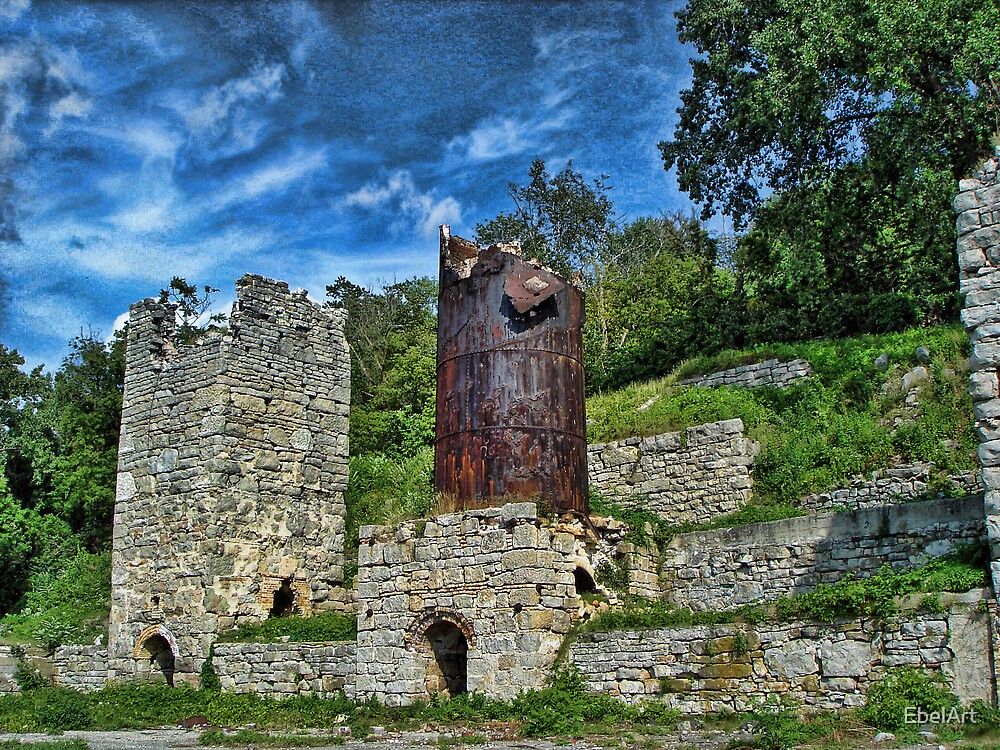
[510,385]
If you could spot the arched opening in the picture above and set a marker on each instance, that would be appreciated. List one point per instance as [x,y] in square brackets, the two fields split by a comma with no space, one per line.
[283,603]
[448,669]
[584,582]
[161,657]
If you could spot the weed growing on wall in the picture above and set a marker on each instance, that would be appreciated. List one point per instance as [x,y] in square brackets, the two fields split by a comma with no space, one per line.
[383,490]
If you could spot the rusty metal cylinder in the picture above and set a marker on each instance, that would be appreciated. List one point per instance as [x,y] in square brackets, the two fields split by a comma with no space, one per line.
[510,386]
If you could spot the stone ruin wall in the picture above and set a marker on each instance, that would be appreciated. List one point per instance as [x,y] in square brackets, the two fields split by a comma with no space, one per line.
[690,476]
[726,568]
[978,222]
[704,668]
[899,484]
[503,576]
[232,467]
[772,373]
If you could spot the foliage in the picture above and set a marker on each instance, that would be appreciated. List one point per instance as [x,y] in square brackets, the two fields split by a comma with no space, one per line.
[653,291]
[190,307]
[563,708]
[384,490]
[253,738]
[846,419]
[839,133]
[44,745]
[392,336]
[209,678]
[322,627]
[647,614]
[875,596]
[67,605]
[901,688]
[781,725]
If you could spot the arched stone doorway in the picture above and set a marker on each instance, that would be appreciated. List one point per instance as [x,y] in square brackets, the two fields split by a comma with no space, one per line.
[442,638]
[447,670]
[156,651]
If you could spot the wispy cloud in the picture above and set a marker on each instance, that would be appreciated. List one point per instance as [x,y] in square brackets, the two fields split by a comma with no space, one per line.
[415,210]
[13,9]
[225,120]
[275,177]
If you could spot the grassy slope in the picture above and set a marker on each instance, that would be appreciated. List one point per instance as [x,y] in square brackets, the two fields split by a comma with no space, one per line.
[817,434]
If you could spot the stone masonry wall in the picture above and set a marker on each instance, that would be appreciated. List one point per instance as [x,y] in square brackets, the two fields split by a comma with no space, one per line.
[899,484]
[731,667]
[693,475]
[232,467]
[502,576]
[978,221]
[83,668]
[277,669]
[768,373]
[726,568]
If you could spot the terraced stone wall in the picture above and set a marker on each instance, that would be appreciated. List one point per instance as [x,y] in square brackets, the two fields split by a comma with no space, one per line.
[732,667]
[694,475]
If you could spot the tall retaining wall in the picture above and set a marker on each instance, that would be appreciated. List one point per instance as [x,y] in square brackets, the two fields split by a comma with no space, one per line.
[978,208]
[769,373]
[321,669]
[731,667]
[725,568]
[693,475]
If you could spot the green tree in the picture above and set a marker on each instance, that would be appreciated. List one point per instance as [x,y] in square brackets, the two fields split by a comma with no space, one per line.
[392,335]
[653,291]
[191,306]
[837,131]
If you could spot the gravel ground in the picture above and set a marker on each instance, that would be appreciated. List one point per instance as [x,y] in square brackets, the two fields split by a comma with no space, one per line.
[168,739]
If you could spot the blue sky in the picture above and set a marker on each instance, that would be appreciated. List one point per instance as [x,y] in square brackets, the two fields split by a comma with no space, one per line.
[299,140]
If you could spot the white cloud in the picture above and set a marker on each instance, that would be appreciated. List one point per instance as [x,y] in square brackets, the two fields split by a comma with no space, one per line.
[223,121]
[50,315]
[270,179]
[498,137]
[417,210]
[72,105]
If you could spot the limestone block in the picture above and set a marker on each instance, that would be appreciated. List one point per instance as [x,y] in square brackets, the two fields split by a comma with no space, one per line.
[983,385]
[845,658]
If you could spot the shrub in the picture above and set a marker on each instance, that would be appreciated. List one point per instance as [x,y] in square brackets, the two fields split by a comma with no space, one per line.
[902,688]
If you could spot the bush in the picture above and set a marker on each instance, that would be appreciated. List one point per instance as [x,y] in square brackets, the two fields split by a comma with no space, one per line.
[902,688]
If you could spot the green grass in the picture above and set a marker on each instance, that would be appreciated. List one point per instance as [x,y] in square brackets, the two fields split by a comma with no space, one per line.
[44,745]
[319,628]
[562,709]
[70,606]
[818,433]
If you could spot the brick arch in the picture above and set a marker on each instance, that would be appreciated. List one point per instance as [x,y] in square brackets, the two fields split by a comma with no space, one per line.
[418,627]
[148,633]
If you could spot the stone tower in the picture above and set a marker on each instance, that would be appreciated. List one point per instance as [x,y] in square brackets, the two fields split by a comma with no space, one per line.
[231,473]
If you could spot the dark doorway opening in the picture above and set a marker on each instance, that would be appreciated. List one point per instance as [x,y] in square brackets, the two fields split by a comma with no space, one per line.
[283,603]
[584,582]
[161,657]
[448,670]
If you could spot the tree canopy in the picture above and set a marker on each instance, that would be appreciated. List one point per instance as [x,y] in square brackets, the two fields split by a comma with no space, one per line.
[784,91]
